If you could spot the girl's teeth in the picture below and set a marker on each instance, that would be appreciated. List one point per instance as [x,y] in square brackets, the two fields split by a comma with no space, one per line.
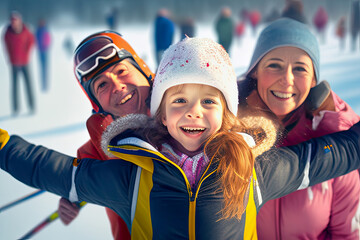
[193,130]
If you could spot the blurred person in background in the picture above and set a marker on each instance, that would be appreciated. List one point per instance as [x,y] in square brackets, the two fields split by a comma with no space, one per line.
[341,32]
[19,42]
[320,21]
[224,27]
[240,27]
[117,86]
[272,15]
[112,19]
[68,45]
[240,31]
[254,19]
[43,40]
[283,81]
[187,28]
[294,9]
[164,32]
[355,24]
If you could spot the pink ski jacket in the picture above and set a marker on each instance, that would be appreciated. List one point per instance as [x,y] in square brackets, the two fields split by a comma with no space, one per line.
[329,210]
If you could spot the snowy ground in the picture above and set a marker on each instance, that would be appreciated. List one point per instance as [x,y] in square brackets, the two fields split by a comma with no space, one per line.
[59,122]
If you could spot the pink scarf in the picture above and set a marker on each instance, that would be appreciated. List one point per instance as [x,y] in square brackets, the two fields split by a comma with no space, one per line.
[193,167]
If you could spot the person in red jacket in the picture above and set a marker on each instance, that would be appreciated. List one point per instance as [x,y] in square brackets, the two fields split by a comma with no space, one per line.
[239,31]
[116,86]
[19,42]
[320,21]
[254,19]
[340,31]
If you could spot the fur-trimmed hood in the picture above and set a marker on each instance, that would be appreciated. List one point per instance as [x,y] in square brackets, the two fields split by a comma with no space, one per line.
[264,130]
[118,126]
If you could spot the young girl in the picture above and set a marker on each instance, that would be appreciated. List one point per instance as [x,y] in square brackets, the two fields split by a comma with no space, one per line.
[195,177]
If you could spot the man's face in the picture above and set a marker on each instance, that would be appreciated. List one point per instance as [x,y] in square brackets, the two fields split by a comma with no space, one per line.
[121,89]
[16,24]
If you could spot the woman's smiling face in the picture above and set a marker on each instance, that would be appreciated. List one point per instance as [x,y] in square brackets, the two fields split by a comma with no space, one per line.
[284,76]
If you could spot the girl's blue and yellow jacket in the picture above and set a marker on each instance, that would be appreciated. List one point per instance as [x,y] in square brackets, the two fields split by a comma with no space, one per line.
[153,195]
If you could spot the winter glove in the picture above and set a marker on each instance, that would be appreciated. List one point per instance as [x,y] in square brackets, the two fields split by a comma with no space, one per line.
[67,210]
[4,138]
[319,98]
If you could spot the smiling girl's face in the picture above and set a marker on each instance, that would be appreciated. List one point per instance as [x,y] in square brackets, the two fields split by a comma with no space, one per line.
[192,112]
[284,78]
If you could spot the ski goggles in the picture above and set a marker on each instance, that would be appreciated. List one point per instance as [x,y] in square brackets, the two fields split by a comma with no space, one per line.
[97,60]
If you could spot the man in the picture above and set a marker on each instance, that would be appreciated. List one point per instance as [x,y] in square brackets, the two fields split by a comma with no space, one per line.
[117,82]
[19,41]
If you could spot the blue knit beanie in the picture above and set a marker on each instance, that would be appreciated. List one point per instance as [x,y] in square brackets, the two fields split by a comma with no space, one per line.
[286,32]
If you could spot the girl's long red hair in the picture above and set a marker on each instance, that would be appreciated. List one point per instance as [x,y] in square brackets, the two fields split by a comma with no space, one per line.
[236,162]
[229,149]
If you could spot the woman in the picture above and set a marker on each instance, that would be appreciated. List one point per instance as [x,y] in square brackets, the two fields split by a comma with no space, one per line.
[282,80]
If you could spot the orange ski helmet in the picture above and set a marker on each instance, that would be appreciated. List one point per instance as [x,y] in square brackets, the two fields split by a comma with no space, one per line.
[98,52]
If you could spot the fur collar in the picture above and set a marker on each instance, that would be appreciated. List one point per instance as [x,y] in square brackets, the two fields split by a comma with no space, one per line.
[118,126]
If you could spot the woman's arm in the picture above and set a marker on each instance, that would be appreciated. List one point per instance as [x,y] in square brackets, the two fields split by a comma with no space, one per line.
[284,170]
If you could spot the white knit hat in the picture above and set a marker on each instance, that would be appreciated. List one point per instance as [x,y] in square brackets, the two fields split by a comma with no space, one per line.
[198,61]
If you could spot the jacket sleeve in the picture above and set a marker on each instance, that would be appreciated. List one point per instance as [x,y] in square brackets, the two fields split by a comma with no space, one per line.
[30,41]
[37,166]
[284,170]
[7,42]
[107,183]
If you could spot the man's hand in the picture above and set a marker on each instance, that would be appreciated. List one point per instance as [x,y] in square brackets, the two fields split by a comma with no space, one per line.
[67,210]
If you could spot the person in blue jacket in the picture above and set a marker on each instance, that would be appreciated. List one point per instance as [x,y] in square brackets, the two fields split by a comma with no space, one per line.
[164,32]
[43,41]
[188,173]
